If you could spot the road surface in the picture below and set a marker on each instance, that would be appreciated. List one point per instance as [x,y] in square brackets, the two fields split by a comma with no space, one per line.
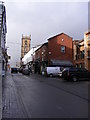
[36,96]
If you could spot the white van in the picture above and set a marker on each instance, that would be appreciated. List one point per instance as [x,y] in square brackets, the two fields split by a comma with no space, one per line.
[53,71]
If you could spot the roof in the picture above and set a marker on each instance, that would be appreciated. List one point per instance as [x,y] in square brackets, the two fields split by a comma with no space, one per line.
[87,32]
[63,63]
[77,42]
[59,35]
[81,41]
[46,43]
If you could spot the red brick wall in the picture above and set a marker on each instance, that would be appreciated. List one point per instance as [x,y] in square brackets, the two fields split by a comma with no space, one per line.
[38,53]
[54,46]
[44,49]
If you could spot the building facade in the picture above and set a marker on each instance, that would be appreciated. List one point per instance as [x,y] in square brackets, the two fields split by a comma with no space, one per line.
[79,53]
[29,58]
[3,31]
[87,49]
[3,51]
[41,58]
[60,50]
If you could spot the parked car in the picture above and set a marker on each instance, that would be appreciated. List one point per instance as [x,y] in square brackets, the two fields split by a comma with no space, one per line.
[53,71]
[75,74]
[20,70]
[14,70]
[25,71]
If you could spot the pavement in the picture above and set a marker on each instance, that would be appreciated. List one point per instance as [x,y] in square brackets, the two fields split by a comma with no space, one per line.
[12,106]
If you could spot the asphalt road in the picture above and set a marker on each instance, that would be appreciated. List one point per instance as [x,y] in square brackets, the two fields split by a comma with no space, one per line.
[36,96]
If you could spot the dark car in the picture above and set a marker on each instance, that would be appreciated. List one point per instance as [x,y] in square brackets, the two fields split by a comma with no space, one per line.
[14,70]
[75,74]
[20,70]
[25,71]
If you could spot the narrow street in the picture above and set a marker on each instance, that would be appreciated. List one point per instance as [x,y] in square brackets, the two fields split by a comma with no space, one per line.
[36,96]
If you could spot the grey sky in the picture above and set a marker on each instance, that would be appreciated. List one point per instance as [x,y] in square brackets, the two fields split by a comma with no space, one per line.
[43,20]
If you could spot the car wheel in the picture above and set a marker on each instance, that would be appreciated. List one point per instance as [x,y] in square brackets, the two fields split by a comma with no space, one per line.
[74,79]
[51,75]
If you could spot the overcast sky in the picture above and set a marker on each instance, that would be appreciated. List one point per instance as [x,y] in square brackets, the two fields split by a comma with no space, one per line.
[43,20]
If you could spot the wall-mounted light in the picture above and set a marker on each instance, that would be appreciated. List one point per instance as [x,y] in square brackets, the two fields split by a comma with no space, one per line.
[49,53]
[62,40]
[42,53]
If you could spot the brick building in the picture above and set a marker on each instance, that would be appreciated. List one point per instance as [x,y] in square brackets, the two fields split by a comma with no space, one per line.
[41,57]
[60,49]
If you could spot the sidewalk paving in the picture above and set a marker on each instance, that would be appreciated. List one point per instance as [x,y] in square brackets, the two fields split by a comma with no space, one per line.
[12,106]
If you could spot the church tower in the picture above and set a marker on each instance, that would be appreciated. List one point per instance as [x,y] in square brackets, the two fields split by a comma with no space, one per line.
[25,47]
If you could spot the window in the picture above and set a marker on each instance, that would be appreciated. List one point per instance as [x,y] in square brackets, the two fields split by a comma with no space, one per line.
[25,42]
[62,49]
